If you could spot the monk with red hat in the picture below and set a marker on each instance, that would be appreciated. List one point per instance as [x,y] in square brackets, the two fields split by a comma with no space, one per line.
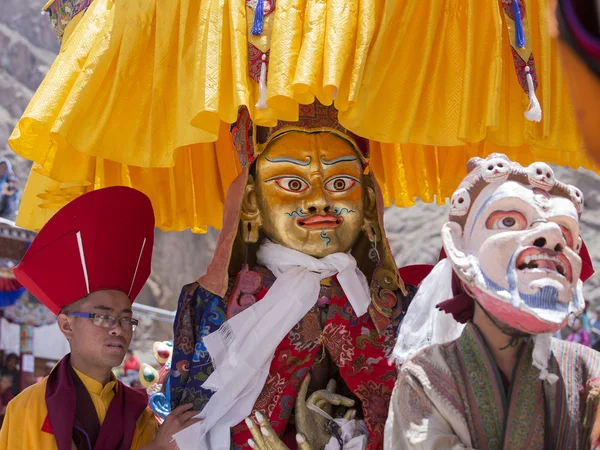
[88,264]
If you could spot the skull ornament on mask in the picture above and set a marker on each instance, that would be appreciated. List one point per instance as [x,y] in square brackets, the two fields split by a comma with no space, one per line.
[461,200]
[577,198]
[540,175]
[516,249]
[496,168]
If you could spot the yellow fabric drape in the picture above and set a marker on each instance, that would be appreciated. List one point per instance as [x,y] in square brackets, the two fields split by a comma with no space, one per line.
[191,194]
[141,92]
[410,171]
[441,73]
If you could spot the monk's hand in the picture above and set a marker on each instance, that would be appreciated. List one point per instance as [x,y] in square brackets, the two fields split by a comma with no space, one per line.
[179,419]
[264,438]
[312,425]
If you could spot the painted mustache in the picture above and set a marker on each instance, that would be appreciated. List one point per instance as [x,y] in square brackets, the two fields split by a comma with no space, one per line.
[321,222]
[546,260]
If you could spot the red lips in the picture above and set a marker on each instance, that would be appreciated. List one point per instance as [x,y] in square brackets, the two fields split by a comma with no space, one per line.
[321,222]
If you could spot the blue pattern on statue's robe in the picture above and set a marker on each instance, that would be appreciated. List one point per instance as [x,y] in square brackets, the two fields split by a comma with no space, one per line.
[189,354]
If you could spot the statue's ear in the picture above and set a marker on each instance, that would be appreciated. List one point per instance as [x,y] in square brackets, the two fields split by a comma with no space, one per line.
[370,213]
[370,204]
[250,201]
[250,215]
[453,243]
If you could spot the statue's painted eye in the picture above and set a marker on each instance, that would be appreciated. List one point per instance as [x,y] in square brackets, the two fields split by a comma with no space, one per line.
[291,183]
[506,220]
[340,183]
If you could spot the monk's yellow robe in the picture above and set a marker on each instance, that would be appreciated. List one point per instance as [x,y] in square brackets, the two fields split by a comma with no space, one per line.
[27,412]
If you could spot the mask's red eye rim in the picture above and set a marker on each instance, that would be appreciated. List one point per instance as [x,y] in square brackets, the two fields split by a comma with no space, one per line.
[568,235]
[496,221]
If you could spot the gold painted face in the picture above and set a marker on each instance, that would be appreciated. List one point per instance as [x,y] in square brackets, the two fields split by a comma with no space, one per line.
[309,193]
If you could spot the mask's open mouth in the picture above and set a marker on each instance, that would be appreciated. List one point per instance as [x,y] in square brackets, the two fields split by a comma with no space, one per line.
[534,259]
[321,222]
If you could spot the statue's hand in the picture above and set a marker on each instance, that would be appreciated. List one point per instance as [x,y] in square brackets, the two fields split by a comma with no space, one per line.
[312,425]
[264,438]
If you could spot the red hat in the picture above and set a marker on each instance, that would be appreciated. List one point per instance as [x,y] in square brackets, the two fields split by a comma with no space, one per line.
[101,240]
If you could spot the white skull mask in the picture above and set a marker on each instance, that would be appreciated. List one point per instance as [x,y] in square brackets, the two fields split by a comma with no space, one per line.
[519,258]
[495,169]
[461,200]
[541,175]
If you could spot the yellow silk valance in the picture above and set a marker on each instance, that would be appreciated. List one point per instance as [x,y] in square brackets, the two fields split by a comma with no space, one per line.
[142,93]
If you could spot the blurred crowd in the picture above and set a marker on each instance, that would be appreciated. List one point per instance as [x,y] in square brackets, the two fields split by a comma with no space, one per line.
[583,329]
[128,373]
[9,380]
[10,193]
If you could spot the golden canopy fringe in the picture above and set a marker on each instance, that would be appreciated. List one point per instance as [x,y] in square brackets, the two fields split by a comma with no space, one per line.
[142,93]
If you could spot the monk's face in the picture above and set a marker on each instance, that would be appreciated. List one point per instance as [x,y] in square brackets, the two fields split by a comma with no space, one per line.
[310,194]
[98,347]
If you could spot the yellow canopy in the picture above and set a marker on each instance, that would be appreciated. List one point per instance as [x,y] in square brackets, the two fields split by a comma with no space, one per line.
[142,93]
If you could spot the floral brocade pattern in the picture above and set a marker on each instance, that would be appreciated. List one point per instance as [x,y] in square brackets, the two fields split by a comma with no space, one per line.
[199,313]
[364,369]
[271,394]
[375,397]
[525,59]
[305,334]
[520,65]
[255,61]
[62,11]
[484,388]
[339,343]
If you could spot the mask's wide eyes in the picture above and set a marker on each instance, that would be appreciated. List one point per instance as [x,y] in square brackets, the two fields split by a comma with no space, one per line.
[506,220]
[290,183]
[340,184]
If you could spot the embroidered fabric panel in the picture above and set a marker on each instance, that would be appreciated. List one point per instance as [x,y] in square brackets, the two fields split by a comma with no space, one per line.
[484,387]
[446,375]
[255,61]
[357,350]
[443,370]
[525,421]
[522,56]
[575,365]
[242,133]
[354,344]
[199,313]
[437,374]
[316,115]
[524,427]
[520,65]
[62,11]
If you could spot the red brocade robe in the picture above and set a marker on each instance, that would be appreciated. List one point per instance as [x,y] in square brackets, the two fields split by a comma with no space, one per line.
[354,344]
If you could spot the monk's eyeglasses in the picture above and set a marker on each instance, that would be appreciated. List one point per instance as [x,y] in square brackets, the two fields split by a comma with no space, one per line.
[106,321]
